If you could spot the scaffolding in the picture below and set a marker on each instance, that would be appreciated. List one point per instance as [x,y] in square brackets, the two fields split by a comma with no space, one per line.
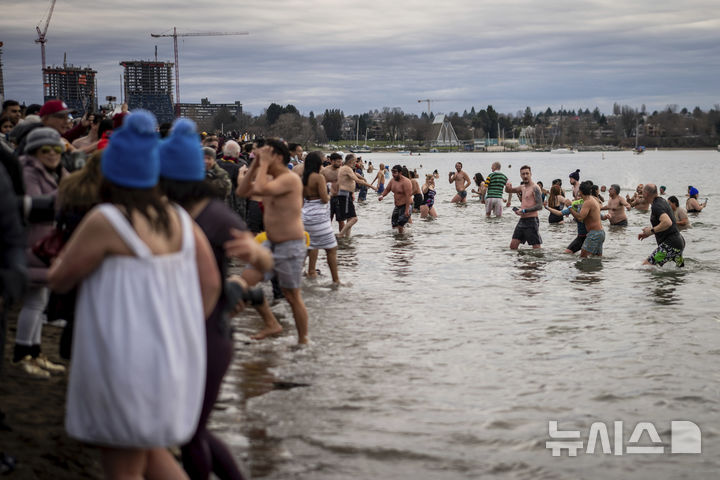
[148,85]
[74,85]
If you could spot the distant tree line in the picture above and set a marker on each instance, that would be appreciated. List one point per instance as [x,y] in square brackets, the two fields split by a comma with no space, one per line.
[671,127]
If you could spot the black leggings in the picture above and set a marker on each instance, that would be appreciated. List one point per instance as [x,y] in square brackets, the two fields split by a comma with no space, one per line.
[205,452]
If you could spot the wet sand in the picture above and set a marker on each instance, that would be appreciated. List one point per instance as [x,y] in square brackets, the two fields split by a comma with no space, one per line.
[35,410]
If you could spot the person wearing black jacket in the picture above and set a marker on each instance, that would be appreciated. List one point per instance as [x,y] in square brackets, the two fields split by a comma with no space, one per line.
[13,266]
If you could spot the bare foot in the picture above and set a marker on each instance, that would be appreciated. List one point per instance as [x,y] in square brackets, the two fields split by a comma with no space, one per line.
[303,341]
[267,332]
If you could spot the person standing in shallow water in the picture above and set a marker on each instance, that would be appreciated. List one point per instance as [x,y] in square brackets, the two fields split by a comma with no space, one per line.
[401,188]
[575,183]
[316,217]
[282,201]
[462,182]
[616,207]
[670,243]
[589,214]
[528,227]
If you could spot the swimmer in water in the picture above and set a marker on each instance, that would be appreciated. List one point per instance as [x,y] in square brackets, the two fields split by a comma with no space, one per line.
[428,191]
[402,191]
[692,205]
[462,182]
[616,207]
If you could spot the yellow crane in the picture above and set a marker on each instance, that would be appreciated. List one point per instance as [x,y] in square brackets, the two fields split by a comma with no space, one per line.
[175,36]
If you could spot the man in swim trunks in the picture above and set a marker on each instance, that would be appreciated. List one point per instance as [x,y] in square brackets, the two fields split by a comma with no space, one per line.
[380,178]
[670,243]
[401,187]
[330,173]
[616,207]
[282,204]
[589,214]
[462,182]
[528,227]
[347,181]
[495,186]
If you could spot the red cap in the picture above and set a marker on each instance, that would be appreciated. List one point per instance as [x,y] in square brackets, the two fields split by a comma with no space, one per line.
[52,107]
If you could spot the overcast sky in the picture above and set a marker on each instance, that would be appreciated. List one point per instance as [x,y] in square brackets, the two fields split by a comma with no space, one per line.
[362,55]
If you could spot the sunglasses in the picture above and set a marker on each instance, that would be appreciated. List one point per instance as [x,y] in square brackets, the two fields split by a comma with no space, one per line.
[50,148]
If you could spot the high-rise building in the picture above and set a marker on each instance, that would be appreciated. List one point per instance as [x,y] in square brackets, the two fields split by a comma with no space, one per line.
[74,85]
[149,85]
[203,113]
[2,82]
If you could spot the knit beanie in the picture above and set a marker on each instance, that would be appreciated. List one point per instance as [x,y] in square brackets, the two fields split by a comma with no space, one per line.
[181,155]
[575,175]
[42,136]
[131,157]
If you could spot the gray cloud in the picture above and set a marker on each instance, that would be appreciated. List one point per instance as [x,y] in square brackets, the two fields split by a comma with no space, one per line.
[362,55]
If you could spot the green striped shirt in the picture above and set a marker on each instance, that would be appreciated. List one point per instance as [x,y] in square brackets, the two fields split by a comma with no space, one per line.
[496,185]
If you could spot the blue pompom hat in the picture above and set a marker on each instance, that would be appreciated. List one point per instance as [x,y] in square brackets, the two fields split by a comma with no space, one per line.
[181,155]
[131,157]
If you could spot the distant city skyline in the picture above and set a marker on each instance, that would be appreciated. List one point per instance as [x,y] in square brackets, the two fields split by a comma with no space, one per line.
[364,56]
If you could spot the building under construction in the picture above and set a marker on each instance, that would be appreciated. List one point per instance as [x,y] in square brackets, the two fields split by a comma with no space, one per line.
[148,85]
[74,85]
[203,113]
[2,82]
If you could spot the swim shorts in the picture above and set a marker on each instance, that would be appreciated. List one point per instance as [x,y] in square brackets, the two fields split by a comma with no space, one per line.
[621,223]
[398,218]
[417,201]
[576,244]
[665,253]
[594,242]
[381,188]
[289,258]
[345,208]
[528,230]
[494,205]
[463,194]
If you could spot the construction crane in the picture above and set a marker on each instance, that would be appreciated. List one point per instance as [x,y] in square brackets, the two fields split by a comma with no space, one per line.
[41,34]
[428,102]
[175,36]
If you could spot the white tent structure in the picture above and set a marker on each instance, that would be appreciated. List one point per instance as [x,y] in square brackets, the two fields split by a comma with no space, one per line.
[442,133]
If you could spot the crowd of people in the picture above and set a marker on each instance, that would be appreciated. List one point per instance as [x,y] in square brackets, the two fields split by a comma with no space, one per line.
[124,230]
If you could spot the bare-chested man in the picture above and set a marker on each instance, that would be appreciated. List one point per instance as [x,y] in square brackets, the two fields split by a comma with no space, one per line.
[380,178]
[638,200]
[616,206]
[282,203]
[401,187]
[462,182]
[589,214]
[347,181]
[331,176]
[528,227]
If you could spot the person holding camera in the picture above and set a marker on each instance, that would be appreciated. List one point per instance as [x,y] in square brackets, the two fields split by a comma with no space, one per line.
[183,180]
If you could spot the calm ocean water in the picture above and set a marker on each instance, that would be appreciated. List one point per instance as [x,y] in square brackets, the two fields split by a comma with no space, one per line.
[446,354]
